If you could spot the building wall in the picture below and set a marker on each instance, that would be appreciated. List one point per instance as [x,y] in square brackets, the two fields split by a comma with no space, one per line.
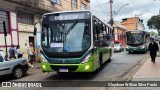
[11,24]
[133,23]
[67,4]
[24,40]
[37,8]
[119,35]
[140,27]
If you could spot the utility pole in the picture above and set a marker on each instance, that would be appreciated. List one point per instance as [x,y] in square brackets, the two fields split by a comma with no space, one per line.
[111,13]
[5,34]
[159,11]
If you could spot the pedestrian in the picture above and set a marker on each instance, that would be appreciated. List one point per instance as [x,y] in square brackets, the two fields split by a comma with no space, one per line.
[31,52]
[19,53]
[12,52]
[153,48]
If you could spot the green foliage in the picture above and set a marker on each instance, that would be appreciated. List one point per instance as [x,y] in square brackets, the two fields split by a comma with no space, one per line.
[154,22]
[152,33]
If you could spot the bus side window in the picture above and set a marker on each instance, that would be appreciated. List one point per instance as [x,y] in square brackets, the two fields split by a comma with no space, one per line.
[99,31]
[104,32]
[108,33]
[95,31]
[44,35]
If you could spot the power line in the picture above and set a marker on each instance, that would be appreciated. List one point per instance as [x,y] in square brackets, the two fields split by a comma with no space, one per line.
[99,11]
[90,9]
[101,8]
[70,3]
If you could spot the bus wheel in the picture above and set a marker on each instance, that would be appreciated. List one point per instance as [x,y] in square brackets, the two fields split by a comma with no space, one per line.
[144,52]
[109,60]
[129,52]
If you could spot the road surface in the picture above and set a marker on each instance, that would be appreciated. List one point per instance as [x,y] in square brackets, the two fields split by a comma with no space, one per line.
[122,67]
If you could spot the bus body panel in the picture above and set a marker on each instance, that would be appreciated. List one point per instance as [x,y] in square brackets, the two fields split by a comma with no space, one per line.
[136,49]
[92,63]
[79,67]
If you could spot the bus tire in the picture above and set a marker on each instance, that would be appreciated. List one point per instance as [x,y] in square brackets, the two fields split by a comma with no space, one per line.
[144,52]
[129,52]
[109,60]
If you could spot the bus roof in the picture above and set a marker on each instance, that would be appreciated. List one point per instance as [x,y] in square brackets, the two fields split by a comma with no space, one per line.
[78,11]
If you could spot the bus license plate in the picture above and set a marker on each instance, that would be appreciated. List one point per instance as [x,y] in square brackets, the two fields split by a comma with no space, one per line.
[63,70]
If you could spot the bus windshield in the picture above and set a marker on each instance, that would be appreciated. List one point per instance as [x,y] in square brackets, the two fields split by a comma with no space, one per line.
[135,38]
[66,36]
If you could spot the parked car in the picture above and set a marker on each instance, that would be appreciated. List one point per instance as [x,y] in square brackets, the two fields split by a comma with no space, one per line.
[118,47]
[17,67]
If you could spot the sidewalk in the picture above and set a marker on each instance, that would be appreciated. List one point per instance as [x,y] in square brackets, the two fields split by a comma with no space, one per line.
[148,72]
[36,69]
[37,65]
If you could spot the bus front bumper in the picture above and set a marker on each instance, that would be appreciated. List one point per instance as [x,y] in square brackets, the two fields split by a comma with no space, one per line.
[86,67]
[136,49]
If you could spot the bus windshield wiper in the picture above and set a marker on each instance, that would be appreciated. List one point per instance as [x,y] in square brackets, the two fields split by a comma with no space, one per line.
[71,27]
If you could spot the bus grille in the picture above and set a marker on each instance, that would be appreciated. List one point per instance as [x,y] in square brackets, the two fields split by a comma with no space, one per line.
[70,68]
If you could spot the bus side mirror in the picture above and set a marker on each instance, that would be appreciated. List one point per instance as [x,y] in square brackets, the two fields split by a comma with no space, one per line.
[35,31]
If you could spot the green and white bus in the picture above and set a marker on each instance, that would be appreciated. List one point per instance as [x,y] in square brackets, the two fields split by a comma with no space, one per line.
[137,40]
[74,41]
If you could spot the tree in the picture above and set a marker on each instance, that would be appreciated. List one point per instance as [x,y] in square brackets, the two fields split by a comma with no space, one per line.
[154,22]
[152,33]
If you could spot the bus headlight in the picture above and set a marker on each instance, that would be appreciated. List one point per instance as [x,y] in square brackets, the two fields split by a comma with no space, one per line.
[109,47]
[43,59]
[142,46]
[87,67]
[127,47]
[86,58]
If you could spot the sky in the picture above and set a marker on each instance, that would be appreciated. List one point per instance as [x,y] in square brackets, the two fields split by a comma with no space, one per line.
[142,8]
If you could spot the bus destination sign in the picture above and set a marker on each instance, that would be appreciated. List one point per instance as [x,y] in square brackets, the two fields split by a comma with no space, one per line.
[70,16]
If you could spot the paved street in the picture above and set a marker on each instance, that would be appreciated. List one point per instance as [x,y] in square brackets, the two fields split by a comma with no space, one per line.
[122,67]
